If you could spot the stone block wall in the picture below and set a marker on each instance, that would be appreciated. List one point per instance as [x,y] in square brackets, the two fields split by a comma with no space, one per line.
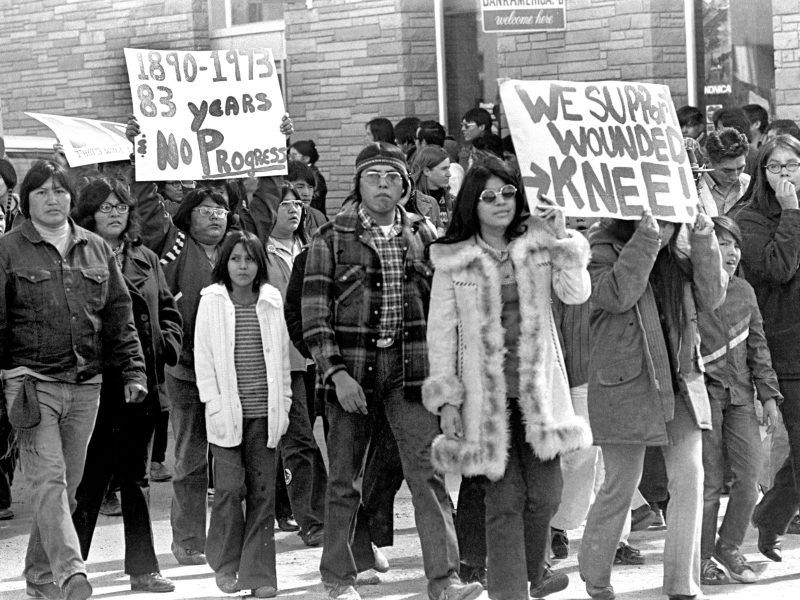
[786,31]
[350,61]
[65,56]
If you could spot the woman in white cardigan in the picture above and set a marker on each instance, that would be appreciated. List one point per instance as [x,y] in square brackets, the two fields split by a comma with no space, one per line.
[242,365]
[497,376]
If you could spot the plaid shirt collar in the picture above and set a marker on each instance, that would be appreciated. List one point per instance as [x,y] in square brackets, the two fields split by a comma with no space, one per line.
[370,225]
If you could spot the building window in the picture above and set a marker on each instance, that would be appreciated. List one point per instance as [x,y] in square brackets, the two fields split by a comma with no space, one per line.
[225,14]
[735,53]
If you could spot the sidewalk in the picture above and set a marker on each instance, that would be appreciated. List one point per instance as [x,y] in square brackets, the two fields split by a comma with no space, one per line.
[298,575]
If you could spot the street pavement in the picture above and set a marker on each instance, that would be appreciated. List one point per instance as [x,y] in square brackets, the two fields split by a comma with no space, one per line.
[298,575]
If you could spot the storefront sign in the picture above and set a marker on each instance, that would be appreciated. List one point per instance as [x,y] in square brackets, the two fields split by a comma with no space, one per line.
[206,114]
[86,141]
[518,16]
[605,148]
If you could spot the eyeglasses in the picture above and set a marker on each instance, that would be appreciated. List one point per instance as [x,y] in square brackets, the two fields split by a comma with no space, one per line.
[121,209]
[776,167]
[295,204]
[374,178]
[208,212]
[508,192]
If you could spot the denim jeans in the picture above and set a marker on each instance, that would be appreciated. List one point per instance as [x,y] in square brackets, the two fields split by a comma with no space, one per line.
[242,541]
[519,508]
[52,457]
[414,429]
[7,464]
[303,459]
[119,448]
[623,469]
[470,520]
[190,478]
[780,503]
[736,427]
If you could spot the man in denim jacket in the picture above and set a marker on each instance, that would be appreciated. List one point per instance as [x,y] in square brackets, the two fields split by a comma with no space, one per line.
[64,310]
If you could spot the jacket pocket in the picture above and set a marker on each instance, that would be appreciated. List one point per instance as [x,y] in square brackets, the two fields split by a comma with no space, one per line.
[95,285]
[32,287]
[347,280]
[620,372]
[215,417]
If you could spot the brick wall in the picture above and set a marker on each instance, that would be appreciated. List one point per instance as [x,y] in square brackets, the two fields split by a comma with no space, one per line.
[628,40]
[65,56]
[350,61]
[786,31]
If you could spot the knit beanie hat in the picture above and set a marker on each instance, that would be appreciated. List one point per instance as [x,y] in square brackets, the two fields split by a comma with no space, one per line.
[381,153]
[8,174]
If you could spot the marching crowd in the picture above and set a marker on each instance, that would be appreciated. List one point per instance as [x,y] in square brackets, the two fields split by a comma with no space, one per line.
[610,371]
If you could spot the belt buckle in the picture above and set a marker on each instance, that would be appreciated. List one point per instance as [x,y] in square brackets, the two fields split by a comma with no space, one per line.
[385,342]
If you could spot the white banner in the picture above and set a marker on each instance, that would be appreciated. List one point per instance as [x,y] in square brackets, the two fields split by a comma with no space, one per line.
[206,114]
[87,141]
[601,149]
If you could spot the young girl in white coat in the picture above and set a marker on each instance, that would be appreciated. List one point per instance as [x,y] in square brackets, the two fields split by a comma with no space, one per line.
[242,365]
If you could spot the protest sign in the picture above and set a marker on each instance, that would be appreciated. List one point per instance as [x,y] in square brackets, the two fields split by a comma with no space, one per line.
[206,114]
[87,141]
[601,149]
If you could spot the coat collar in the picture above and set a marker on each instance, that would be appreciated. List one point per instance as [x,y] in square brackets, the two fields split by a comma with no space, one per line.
[78,235]
[266,295]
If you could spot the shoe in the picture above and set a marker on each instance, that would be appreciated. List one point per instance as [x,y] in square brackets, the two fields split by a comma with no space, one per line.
[769,544]
[48,590]
[559,543]
[159,472]
[187,556]
[550,584]
[468,574]
[379,561]
[734,563]
[460,591]
[642,518]
[6,514]
[368,577]
[711,574]
[227,583]
[794,526]
[265,591]
[288,524]
[77,587]
[687,597]
[313,538]
[111,506]
[600,593]
[151,582]
[341,592]
[628,555]
[659,523]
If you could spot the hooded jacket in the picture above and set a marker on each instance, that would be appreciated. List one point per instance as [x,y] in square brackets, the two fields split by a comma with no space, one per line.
[631,390]
[466,350]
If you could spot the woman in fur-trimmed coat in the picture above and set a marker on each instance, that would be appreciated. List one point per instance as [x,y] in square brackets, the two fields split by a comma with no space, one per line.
[497,376]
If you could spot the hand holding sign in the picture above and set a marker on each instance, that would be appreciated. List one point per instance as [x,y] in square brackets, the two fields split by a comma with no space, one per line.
[552,217]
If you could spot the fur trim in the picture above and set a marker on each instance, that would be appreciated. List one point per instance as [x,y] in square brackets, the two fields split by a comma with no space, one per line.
[464,458]
[438,391]
[570,252]
[551,439]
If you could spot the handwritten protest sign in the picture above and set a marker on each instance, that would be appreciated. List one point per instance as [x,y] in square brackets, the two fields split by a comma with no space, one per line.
[605,148]
[87,141]
[206,114]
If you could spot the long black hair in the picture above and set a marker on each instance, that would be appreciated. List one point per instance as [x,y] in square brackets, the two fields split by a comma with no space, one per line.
[464,222]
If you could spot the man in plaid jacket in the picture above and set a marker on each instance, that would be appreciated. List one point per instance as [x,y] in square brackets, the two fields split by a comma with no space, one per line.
[364,307]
